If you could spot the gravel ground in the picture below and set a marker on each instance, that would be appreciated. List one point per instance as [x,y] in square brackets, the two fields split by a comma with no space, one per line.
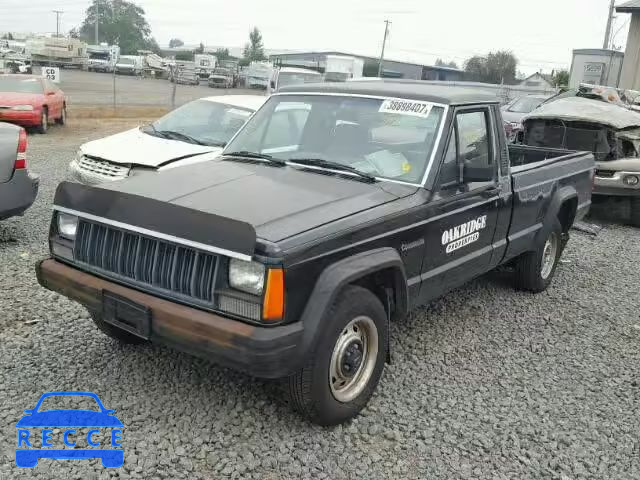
[487,383]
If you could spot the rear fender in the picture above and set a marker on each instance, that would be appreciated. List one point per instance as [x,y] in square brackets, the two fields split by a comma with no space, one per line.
[563,195]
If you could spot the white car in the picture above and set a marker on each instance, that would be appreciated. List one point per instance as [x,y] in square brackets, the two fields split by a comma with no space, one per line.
[196,132]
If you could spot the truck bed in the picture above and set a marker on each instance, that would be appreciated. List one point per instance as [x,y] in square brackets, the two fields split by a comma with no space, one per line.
[524,157]
[538,175]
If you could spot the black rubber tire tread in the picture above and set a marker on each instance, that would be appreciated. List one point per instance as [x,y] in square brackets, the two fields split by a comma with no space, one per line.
[62,120]
[116,333]
[634,215]
[528,266]
[309,389]
[42,129]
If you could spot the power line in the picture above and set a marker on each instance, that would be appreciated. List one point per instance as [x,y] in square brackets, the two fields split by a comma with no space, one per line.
[384,43]
[58,13]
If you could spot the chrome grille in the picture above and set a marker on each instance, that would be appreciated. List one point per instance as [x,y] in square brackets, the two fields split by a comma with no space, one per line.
[103,168]
[182,271]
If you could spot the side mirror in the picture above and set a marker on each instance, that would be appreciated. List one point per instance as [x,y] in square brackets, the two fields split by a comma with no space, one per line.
[473,173]
[29,410]
[273,84]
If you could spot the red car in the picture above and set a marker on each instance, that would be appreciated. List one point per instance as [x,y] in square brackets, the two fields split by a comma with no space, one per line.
[31,101]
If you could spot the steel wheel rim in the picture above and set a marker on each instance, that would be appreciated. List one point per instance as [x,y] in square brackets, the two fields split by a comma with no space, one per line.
[549,255]
[348,377]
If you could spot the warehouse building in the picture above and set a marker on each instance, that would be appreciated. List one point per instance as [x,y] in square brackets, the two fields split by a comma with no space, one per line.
[392,68]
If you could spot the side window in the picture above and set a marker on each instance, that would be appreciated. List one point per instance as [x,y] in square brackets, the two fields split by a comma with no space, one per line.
[474,149]
[469,152]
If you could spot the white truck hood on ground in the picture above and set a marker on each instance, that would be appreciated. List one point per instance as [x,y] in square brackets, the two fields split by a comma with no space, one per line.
[135,147]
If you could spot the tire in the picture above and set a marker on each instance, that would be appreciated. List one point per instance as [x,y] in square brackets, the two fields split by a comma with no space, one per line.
[115,332]
[534,270]
[63,116]
[635,212]
[44,122]
[320,391]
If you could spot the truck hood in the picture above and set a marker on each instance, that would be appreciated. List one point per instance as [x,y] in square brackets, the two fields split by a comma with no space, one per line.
[135,147]
[278,202]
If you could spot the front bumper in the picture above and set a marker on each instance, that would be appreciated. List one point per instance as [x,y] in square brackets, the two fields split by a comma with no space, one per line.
[18,194]
[30,118]
[614,185]
[266,352]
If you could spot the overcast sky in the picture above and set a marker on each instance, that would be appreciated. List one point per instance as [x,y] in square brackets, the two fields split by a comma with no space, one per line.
[541,33]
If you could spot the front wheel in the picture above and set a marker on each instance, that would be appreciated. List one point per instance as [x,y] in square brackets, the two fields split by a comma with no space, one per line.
[535,269]
[341,375]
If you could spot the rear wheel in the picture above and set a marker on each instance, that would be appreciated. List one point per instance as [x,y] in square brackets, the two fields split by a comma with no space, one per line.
[345,368]
[635,211]
[114,332]
[535,270]
[63,116]
[44,122]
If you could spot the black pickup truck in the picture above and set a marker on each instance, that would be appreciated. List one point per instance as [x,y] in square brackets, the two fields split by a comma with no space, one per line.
[333,212]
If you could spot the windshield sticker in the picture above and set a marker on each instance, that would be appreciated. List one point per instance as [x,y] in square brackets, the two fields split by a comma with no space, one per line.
[406,107]
[463,235]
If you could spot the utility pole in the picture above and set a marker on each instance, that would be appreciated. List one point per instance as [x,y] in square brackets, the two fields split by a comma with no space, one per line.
[58,13]
[607,32]
[97,21]
[384,43]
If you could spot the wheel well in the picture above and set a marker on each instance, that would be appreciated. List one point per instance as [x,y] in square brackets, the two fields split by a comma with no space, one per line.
[567,213]
[385,285]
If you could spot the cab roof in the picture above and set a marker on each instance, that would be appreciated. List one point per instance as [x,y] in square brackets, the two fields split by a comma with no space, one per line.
[411,89]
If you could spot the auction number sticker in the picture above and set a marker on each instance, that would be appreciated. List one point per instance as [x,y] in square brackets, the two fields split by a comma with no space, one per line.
[406,107]
[51,73]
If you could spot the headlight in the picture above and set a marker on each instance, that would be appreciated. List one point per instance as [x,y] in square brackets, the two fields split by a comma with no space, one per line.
[67,225]
[23,108]
[246,276]
[631,180]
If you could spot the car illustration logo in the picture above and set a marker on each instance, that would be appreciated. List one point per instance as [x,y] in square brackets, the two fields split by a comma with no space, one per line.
[69,425]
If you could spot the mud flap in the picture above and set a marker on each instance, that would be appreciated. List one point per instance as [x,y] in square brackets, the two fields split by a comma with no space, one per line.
[388,296]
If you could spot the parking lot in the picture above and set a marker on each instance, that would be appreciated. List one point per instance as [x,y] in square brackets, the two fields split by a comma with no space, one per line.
[91,88]
[486,383]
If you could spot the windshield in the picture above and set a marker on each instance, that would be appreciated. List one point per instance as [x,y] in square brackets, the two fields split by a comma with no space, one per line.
[99,55]
[211,123]
[221,71]
[296,78]
[21,85]
[390,138]
[525,104]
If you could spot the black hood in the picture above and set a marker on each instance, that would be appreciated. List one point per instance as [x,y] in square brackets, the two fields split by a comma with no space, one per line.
[277,202]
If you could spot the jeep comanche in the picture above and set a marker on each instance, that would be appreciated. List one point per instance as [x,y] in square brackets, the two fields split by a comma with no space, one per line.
[334,211]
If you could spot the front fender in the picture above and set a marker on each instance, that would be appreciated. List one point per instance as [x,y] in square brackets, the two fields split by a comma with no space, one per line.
[346,271]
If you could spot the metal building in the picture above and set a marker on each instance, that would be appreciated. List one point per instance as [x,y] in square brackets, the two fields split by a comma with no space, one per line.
[391,68]
[596,67]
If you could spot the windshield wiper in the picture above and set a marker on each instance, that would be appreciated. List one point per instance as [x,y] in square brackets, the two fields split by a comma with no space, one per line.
[173,135]
[321,162]
[260,156]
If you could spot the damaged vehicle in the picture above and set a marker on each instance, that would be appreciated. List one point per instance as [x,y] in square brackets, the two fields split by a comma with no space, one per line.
[196,132]
[334,211]
[221,78]
[610,131]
